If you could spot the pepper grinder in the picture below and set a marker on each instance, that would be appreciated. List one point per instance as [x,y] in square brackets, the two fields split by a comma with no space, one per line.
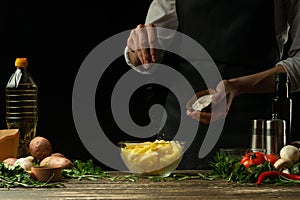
[275,135]
[258,134]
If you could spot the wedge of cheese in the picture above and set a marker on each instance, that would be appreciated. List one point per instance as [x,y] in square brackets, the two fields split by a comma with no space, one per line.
[9,139]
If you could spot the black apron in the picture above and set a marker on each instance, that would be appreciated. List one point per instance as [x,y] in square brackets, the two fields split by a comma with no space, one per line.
[240,37]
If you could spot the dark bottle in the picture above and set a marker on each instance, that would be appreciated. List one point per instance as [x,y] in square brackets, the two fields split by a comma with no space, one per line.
[22,105]
[282,104]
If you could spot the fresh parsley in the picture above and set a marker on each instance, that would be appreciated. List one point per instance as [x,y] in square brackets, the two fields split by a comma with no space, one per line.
[230,169]
[84,170]
[16,176]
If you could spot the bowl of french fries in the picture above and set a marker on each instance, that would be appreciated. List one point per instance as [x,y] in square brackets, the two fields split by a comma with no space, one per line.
[158,158]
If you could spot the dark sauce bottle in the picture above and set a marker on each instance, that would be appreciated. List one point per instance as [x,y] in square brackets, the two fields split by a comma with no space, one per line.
[282,104]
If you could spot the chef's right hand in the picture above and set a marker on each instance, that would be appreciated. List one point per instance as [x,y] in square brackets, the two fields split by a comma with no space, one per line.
[143,44]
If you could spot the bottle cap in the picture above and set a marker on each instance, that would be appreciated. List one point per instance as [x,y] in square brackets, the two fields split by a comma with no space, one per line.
[21,62]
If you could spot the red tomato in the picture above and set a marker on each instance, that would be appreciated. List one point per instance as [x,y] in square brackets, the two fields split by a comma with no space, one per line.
[253,158]
[272,158]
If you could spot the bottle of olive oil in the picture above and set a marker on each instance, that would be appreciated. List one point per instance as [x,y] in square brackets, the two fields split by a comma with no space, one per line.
[22,105]
[282,104]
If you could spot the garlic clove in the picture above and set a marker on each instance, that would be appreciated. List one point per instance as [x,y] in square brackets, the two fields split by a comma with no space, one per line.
[25,163]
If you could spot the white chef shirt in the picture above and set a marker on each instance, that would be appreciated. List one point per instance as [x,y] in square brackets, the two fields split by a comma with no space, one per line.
[162,13]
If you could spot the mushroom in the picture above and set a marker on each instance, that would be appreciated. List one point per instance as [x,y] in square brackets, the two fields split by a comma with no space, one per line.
[282,163]
[290,152]
[286,170]
[296,144]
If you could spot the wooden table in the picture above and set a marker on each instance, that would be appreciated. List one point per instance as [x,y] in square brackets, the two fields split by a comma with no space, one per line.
[144,188]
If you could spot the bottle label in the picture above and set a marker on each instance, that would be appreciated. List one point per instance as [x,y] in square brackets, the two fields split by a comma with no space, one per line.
[15,79]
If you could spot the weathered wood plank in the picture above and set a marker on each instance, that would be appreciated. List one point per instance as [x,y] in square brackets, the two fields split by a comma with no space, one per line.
[147,189]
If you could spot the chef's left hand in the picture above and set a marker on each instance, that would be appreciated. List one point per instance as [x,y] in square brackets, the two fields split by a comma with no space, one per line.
[225,93]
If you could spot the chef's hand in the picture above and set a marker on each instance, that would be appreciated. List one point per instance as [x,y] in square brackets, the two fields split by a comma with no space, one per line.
[225,91]
[143,44]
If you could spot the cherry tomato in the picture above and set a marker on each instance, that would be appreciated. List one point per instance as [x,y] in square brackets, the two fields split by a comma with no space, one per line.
[253,158]
[272,158]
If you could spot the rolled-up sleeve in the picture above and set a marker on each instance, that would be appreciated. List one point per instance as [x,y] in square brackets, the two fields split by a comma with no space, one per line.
[292,63]
[162,13]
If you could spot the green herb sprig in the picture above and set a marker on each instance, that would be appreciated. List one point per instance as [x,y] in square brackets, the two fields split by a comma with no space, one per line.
[84,170]
[230,169]
[16,176]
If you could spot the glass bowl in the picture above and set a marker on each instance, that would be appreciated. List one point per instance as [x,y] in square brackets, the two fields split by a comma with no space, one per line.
[158,158]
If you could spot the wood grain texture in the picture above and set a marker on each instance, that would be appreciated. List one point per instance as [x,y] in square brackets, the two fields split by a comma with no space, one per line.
[147,189]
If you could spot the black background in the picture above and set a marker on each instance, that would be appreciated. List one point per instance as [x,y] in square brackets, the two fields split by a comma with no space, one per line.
[56,39]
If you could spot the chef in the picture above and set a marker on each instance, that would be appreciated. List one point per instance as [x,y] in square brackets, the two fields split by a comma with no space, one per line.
[246,41]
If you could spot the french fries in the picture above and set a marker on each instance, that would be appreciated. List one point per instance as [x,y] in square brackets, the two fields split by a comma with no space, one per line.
[148,157]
